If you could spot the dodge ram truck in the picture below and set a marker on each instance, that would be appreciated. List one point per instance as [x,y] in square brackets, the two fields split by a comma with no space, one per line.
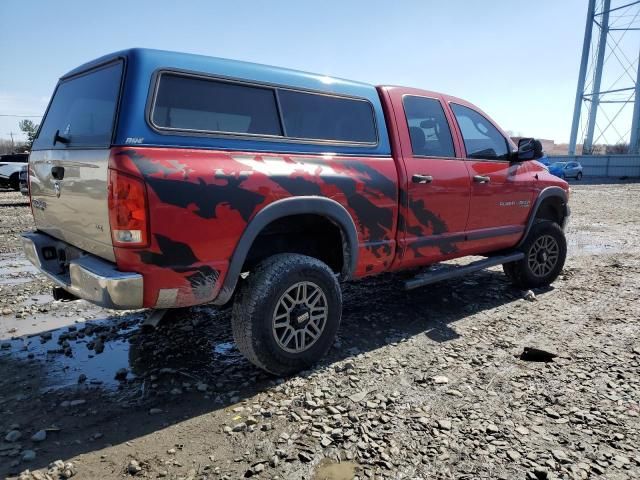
[161,180]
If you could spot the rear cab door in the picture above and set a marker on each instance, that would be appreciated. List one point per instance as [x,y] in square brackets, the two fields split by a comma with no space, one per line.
[434,181]
[501,190]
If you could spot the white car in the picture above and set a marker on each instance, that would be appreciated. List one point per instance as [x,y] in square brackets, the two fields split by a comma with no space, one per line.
[10,166]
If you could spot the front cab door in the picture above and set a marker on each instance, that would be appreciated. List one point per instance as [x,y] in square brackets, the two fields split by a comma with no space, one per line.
[501,191]
[434,203]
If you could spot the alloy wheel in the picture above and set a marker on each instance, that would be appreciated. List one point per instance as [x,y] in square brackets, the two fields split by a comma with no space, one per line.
[300,317]
[543,255]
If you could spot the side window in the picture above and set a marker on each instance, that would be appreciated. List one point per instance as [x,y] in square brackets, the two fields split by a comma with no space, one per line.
[323,117]
[428,127]
[481,139]
[208,105]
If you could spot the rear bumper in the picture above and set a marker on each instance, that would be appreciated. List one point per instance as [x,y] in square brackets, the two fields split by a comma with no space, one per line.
[83,275]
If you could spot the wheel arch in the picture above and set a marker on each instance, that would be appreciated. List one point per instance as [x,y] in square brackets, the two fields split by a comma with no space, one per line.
[321,206]
[551,204]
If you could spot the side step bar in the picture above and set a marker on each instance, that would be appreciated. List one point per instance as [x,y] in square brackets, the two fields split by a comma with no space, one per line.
[453,271]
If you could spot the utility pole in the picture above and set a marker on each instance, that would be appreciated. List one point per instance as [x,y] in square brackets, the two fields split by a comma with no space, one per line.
[613,81]
[597,78]
[634,146]
[586,45]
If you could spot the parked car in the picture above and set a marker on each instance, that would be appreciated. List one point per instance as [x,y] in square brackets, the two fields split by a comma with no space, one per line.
[10,165]
[566,170]
[23,177]
[191,180]
[544,160]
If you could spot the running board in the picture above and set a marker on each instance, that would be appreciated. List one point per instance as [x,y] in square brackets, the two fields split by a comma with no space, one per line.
[453,271]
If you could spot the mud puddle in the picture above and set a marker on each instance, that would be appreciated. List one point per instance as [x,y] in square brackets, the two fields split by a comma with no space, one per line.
[95,352]
[16,272]
[328,470]
[592,243]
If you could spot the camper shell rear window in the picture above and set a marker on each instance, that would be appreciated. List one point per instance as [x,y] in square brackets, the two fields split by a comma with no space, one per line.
[192,104]
[82,111]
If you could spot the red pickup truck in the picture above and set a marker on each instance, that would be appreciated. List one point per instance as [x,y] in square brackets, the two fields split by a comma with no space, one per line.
[164,180]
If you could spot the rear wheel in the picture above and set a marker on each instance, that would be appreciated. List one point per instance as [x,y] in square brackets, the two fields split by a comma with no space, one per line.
[287,312]
[545,250]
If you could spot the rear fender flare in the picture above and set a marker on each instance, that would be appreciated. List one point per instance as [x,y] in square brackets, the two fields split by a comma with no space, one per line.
[325,207]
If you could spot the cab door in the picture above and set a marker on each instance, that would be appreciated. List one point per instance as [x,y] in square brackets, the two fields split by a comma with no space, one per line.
[434,200]
[501,191]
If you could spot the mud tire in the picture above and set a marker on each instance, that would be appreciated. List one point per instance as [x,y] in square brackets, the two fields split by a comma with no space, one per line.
[521,274]
[257,300]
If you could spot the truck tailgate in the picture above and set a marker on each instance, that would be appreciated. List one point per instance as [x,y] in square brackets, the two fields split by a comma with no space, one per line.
[73,208]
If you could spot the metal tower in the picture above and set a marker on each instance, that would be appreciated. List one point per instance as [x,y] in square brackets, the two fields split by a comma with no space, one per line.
[609,78]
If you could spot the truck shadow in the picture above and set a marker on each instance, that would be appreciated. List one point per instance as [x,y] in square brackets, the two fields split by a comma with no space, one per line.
[189,365]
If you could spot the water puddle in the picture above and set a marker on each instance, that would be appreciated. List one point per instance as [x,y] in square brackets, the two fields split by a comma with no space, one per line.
[328,470]
[69,352]
[193,348]
[591,243]
[15,272]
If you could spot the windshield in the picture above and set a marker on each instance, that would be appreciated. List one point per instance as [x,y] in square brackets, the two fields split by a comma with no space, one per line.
[82,110]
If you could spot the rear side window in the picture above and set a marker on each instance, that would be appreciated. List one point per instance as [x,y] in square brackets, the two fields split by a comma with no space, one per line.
[428,127]
[82,110]
[481,139]
[186,103]
[321,117]
[189,103]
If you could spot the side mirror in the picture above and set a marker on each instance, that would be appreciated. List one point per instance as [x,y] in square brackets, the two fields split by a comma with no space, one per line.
[529,149]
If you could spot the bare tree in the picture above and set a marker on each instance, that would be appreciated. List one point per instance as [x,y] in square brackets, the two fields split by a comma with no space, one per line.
[9,146]
[617,149]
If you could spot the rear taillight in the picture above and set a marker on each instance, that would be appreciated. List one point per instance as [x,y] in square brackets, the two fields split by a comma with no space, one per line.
[128,214]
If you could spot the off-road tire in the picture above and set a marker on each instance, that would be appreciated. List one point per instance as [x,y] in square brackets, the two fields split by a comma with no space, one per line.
[521,274]
[255,306]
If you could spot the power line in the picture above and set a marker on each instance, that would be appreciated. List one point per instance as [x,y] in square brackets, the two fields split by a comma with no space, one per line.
[19,116]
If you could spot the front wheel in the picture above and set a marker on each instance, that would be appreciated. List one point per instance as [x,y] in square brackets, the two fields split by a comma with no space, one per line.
[579,176]
[287,313]
[545,250]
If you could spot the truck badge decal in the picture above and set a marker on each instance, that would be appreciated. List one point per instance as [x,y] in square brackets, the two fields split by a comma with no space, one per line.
[513,203]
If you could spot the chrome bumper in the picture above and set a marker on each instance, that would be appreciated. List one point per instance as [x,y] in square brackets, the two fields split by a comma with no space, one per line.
[83,275]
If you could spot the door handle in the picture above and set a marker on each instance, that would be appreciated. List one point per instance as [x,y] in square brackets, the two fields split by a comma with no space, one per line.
[57,172]
[481,179]
[417,178]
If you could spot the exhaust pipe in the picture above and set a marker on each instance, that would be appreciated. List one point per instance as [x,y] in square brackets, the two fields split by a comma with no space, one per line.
[61,294]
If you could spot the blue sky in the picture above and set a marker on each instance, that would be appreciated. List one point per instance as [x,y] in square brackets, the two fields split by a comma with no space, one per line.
[516,59]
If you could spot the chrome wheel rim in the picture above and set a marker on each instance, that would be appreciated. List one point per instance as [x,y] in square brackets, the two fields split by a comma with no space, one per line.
[300,317]
[543,255]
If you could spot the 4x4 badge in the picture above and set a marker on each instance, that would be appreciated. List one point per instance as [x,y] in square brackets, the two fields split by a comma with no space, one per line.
[56,186]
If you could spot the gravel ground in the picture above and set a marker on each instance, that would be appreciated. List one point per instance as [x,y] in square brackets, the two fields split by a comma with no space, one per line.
[422,384]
